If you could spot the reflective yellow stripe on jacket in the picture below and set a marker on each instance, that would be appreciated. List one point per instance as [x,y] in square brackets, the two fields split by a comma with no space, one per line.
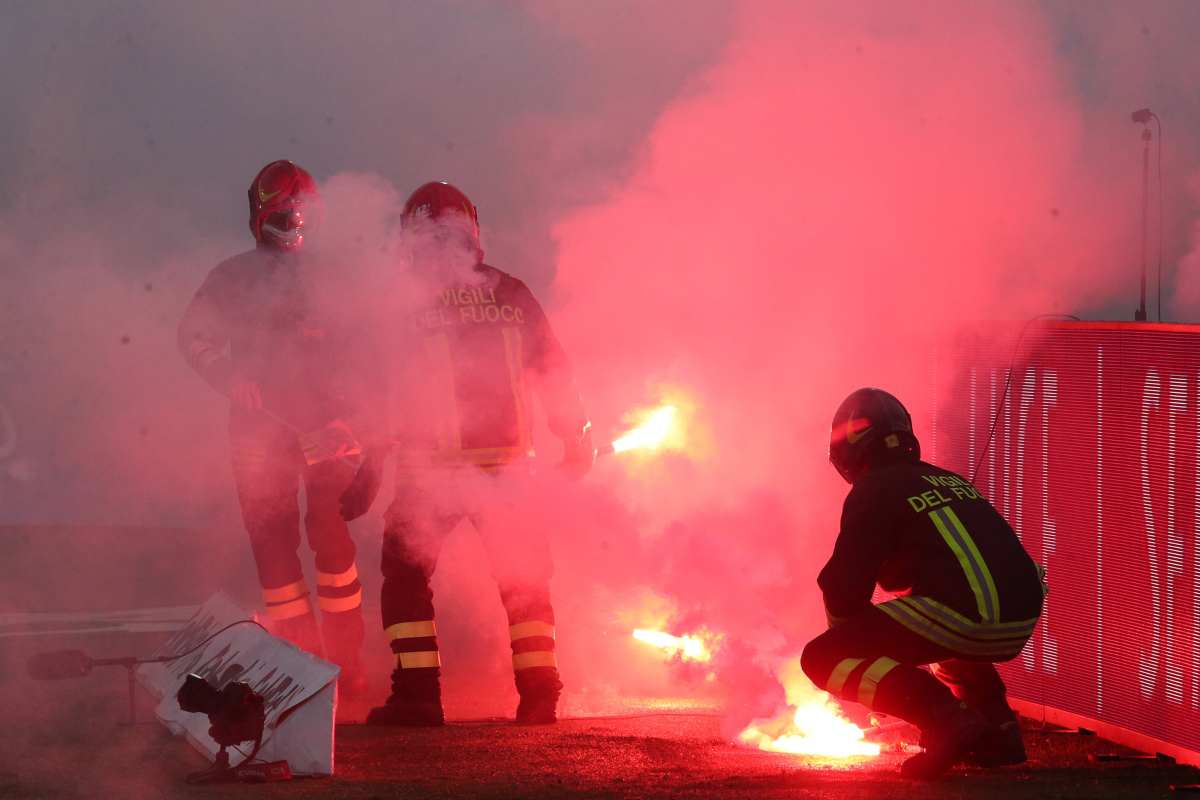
[943,625]
[974,567]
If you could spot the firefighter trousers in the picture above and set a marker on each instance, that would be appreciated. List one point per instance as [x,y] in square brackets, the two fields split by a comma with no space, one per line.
[874,660]
[427,507]
[268,469]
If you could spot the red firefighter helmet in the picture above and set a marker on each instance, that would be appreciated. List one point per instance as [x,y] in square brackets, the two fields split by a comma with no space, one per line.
[870,427]
[283,201]
[437,200]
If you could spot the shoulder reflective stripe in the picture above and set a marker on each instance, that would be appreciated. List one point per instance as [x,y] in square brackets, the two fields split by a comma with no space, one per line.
[523,630]
[871,678]
[411,630]
[422,660]
[964,560]
[437,347]
[296,608]
[516,375]
[837,678]
[988,584]
[338,578]
[536,658]
[284,593]
[339,604]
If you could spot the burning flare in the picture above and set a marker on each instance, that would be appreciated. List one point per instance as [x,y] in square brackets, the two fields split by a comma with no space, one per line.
[688,648]
[651,434]
[812,724]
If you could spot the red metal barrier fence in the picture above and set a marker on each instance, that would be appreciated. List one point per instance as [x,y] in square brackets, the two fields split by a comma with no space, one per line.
[1096,463]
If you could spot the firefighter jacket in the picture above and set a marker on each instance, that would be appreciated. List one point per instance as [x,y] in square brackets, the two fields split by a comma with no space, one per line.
[930,536]
[461,392]
[253,319]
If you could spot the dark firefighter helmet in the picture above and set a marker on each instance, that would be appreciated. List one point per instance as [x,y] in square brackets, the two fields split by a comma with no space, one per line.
[283,201]
[437,200]
[870,427]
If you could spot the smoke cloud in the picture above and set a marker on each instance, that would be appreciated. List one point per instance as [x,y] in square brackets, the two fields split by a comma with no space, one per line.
[747,210]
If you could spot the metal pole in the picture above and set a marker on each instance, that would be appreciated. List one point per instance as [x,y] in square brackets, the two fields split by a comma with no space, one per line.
[1140,315]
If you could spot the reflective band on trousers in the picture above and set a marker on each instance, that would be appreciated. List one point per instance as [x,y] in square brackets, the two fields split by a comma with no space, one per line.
[285,593]
[971,560]
[338,604]
[339,578]
[296,608]
[411,630]
[421,660]
[837,678]
[536,658]
[524,630]
[871,678]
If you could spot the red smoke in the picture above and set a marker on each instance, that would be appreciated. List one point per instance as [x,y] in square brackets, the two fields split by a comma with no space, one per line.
[762,206]
[843,191]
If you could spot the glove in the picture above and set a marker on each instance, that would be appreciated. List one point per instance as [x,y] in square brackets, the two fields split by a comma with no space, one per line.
[335,440]
[579,454]
[364,488]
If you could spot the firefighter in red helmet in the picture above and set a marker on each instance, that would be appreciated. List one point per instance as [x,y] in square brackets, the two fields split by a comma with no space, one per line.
[481,344]
[253,333]
[968,595]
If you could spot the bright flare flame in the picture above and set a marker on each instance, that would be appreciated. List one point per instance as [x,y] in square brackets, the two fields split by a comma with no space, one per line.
[811,725]
[688,648]
[650,434]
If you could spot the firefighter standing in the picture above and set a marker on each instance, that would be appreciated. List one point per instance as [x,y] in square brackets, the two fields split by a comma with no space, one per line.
[252,333]
[480,346]
[968,594]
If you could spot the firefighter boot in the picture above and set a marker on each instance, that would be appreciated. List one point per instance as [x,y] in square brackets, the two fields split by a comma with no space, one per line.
[539,688]
[1001,746]
[949,729]
[946,738]
[415,701]
[980,687]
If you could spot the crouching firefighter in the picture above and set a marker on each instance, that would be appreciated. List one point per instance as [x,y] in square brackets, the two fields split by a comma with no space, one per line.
[968,595]
[252,333]
[480,347]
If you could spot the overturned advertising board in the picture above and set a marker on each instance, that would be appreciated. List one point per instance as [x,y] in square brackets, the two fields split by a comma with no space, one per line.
[298,689]
[1095,461]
